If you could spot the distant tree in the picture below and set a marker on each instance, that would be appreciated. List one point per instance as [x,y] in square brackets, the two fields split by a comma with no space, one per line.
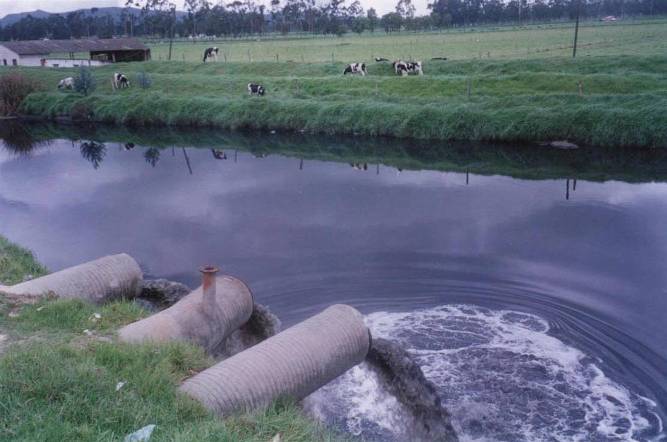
[359,24]
[372,16]
[405,8]
[392,22]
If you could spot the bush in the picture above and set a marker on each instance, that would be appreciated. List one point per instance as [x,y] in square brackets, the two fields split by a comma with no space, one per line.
[81,112]
[84,83]
[14,87]
[144,80]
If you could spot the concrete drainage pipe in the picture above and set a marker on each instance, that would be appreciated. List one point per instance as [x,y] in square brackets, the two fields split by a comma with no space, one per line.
[101,280]
[205,317]
[293,363]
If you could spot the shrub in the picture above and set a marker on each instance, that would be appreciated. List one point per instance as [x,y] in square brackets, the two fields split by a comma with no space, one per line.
[81,112]
[144,80]
[14,87]
[84,83]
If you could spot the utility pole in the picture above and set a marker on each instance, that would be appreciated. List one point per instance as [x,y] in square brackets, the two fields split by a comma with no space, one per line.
[171,36]
[576,30]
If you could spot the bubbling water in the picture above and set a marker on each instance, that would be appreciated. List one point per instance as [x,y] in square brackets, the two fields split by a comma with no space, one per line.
[500,375]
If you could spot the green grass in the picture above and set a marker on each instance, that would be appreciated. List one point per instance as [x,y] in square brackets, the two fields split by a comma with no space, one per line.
[58,383]
[509,99]
[16,263]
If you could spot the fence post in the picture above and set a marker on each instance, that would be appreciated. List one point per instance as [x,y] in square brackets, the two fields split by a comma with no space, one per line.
[581,88]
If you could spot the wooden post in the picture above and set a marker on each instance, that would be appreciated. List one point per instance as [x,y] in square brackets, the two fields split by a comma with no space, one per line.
[469,87]
[576,30]
[581,88]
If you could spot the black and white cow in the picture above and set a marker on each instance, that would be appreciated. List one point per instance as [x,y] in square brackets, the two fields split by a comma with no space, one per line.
[120,81]
[355,68]
[66,83]
[380,59]
[211,53]
[408,67]
[256,89]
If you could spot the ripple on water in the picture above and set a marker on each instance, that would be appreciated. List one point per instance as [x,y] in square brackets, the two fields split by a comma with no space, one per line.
[502,377]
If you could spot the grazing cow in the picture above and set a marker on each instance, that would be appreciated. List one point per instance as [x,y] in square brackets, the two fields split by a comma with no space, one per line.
[120,81]
[355,68]
[415,67]
[66,83]
[256,89]
[211,53]
[408,67]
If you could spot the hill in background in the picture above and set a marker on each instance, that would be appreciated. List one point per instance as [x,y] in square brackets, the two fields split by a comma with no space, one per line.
[113,11]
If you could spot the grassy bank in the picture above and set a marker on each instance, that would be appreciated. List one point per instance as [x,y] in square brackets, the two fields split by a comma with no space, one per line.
[58,383]
[622,101]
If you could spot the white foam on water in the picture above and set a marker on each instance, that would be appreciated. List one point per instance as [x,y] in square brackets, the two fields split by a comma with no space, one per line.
[501,376]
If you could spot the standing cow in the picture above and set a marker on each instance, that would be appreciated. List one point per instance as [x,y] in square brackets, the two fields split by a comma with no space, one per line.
[211,53]
[120,81]
[355,68]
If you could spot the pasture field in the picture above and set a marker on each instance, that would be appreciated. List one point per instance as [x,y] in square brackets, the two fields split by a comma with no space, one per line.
[613,94]
[507,42]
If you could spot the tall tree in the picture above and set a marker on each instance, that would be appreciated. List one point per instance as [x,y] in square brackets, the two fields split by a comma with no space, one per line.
[405,9]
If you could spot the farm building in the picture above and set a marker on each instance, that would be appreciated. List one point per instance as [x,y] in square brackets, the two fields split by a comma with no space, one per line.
[72,53]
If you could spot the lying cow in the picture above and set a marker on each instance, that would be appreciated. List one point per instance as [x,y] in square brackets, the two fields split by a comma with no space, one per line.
[256,89]
[355,68]
[211,53]
[120,81]
[66,83]
[408,67]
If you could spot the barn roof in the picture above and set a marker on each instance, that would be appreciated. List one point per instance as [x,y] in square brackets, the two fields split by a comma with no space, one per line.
[42,47]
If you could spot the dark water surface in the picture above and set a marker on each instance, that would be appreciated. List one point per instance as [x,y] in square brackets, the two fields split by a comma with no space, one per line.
[531,284]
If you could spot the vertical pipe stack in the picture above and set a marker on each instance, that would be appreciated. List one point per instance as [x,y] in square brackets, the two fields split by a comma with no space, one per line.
[205,317]
[293,363]
[104,279]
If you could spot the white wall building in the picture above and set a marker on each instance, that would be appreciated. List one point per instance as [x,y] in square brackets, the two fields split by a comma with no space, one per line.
[101,51]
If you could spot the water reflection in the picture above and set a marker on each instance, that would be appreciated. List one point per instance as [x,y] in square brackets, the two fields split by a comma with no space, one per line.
[152,156]
[94,152]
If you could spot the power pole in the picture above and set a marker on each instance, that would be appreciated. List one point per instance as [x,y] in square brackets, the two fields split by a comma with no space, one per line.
[576,30]
[171,36]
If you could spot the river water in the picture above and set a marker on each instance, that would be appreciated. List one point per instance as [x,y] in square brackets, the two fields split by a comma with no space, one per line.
[530,284]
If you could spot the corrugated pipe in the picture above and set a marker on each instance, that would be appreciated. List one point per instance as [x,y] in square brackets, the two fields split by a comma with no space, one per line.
[293,363]
[101,280]
[205,317]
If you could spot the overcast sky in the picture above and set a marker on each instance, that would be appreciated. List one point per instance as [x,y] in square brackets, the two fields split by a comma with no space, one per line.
[11,6]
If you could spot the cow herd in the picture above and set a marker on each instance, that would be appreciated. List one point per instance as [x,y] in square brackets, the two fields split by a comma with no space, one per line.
[402,68]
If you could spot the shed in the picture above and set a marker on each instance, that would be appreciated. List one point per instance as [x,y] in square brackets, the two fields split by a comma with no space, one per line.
[64,53]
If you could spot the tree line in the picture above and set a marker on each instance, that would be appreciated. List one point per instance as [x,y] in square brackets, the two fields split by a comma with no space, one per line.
[157,18]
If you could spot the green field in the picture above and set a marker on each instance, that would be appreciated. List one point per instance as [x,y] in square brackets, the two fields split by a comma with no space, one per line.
[613,94]
[507,42]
